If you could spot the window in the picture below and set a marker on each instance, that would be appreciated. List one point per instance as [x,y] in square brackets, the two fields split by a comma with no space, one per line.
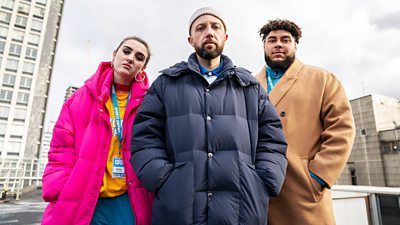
[34,39]
[4,112]
[9,80]
[21,21]
[41,2]
[3,128]
[23,8]
[3,32]
[12,65]
[28,68]
[25,83]
[38,12]
[5,96]
[18,35]
[15,50]
[36,25]
[19,115]
[2,44]
[13,148]
[22,98]
[7,4]
[16,130]
[31,53]
[5,17]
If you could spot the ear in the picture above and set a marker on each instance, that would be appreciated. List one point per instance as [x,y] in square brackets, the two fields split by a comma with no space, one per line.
[190,40]
[113,55]
[226,37]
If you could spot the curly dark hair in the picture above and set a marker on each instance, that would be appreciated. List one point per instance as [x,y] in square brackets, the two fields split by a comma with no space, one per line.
[279,24]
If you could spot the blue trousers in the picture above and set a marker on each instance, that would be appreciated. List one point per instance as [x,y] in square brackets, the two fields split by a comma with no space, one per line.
[113,211]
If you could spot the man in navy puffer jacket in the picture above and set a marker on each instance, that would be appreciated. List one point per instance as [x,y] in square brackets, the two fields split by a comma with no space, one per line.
[206,138]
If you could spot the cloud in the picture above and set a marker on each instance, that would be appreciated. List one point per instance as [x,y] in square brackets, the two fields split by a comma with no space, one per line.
[388,21]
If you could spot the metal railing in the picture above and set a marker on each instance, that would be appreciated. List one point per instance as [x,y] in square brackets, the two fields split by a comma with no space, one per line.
[18,175]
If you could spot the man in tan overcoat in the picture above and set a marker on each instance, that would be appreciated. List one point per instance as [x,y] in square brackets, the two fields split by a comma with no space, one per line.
[318,124]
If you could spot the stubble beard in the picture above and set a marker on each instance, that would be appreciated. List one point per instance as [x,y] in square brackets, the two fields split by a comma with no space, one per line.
[280,65]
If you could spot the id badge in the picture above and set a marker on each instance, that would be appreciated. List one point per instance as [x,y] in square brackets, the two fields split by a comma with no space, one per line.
[118,169]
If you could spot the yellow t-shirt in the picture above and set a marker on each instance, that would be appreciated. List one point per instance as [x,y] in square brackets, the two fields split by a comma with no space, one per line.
[113,187]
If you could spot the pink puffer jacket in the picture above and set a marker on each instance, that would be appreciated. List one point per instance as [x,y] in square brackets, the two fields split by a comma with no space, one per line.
[79,150]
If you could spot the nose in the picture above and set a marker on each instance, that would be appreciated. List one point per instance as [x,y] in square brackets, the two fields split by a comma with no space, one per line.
[278,44]
[209,32]
[130,58]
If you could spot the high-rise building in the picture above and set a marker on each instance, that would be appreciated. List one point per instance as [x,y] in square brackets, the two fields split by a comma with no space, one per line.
[46,139]
[28,37]
[70,91]
[375,157]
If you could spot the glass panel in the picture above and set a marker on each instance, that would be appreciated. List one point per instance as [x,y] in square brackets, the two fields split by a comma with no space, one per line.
[23,8]
[4,112]
[5,17]
[18,35]
[22,98]
[9,80]
[36,25]
[3,32]
[25,82]
[15,50]
[41,2]
[19,114]
[2,44]
[12,65]
[21,21]
[390,209]
[38,12]
[5,96]
[31,53]
[8,4]
[28,68]
[34,39]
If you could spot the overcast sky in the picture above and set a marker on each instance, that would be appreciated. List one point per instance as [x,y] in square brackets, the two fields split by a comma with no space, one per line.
[357,40]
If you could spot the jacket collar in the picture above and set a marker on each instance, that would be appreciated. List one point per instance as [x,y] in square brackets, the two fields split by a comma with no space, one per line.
[286,82]
[241,75]
[100,83]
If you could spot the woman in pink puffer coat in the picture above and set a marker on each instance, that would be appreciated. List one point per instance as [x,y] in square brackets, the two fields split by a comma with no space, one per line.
[88,179]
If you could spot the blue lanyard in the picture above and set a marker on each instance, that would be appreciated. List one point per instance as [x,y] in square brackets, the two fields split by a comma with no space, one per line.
[116,112]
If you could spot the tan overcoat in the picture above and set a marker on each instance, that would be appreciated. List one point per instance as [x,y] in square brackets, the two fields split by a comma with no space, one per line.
[319,127]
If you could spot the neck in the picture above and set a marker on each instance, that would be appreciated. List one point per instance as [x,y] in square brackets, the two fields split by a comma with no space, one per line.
[209,64]
[122,87]
[123,80]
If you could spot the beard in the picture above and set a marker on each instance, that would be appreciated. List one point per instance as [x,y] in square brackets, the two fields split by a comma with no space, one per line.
[209,54]
[280,65]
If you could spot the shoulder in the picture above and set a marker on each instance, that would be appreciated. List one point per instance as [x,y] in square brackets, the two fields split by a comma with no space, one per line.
[245,76]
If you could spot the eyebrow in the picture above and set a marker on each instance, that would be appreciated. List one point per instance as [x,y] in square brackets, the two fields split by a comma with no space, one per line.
[138,52]
[286,36]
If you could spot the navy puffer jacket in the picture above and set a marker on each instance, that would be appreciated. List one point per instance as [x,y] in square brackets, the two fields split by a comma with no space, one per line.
[213,154]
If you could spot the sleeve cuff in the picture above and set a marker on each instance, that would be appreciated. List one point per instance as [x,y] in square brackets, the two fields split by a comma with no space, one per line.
[317,178]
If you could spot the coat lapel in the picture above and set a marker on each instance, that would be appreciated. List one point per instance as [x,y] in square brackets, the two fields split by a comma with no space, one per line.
[284,84]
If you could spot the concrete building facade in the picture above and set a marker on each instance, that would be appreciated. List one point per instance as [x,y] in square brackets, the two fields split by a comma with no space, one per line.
[28,37]
[375,157]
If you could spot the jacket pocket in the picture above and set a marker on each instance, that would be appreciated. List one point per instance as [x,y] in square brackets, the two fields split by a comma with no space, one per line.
[255,198]
[173,203]
[314,191]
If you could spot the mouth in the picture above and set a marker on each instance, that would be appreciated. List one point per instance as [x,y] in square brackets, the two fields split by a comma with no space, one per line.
[127,66]
[209,43]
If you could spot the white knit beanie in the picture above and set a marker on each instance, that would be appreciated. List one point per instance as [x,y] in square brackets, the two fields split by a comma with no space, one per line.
[205,11]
